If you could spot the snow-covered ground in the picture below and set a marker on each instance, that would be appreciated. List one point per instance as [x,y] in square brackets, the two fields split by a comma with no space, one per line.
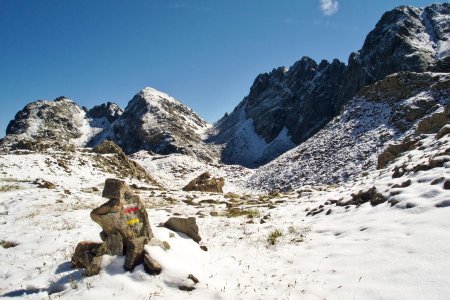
[354,252]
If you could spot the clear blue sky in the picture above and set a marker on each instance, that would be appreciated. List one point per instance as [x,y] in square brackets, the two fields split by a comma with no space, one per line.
[204,53]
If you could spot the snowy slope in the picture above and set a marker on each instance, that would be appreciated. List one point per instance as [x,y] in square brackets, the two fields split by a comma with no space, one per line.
[348,146]
[344,254]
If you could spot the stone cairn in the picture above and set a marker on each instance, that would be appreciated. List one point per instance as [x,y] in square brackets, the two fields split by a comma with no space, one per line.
[126,230]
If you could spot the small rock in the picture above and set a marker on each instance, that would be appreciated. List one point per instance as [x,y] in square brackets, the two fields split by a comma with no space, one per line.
[437,180]
[193,278]
[151,266]
[447,184]
[186,288]
[204,248]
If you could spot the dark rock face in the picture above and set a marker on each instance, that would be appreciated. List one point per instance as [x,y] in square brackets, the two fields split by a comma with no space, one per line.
[305,97]
[300,100]
[109,111]
[155,121]
[405,39]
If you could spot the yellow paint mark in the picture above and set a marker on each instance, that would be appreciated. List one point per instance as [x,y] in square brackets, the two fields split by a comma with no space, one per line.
[132,221]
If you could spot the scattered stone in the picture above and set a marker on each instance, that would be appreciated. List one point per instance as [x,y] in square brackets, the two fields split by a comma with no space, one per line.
[398,171]
[204,248]
[151,266]
[188,226]
[8,244]
[86,256]
[447,184]
[328,212]
[193,278]
[186,288]
[162,244]
[205,183]
[437,180]
[262,221]
[208,201]
[43,184]
[403,184]
[444,203]
[371,195]
[443,131]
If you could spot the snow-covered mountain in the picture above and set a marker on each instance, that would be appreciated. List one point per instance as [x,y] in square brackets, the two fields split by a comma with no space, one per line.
[157,122]
[152,121]
[287,106]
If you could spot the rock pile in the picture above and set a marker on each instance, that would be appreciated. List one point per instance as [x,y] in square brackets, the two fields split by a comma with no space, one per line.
[126,230]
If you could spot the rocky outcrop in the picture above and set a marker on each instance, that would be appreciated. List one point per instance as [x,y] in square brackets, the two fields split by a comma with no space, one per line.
[206,183]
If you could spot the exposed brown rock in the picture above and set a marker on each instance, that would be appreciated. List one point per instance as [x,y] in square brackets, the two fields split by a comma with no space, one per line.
[205,183]
[85,256]
[393,151]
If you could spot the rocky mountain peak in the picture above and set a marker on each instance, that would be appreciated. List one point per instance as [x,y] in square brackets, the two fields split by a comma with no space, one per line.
[158,122]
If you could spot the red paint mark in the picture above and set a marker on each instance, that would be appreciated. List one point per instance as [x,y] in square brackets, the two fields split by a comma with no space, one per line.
[130,210]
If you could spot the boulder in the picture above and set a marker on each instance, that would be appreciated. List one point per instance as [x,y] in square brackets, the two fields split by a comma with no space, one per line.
[206,183]
[188,226]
